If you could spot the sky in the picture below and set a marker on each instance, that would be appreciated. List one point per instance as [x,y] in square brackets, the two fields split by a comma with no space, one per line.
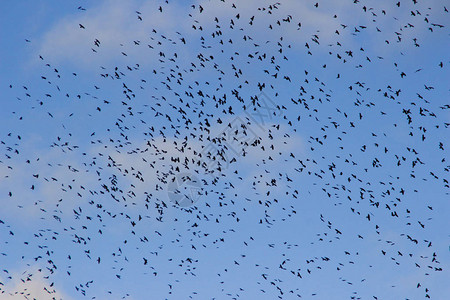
[224,150]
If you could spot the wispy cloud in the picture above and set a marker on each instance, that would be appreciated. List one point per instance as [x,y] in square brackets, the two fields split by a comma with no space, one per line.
[113,25]
[29,284]
[40,185]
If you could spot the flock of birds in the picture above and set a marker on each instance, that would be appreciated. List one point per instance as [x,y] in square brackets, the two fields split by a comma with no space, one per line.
[208,137]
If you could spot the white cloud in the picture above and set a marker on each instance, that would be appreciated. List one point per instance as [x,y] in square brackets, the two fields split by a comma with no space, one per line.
[50,183]
[116,22]
[29,284]
[154,163]
[111,23]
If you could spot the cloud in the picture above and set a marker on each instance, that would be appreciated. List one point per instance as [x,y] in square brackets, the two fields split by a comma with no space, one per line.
[29,284]
[115,25]
[265,13]
[147,167]
[42,184]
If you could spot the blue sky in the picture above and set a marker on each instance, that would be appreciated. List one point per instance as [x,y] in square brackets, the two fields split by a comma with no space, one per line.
[94,118]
